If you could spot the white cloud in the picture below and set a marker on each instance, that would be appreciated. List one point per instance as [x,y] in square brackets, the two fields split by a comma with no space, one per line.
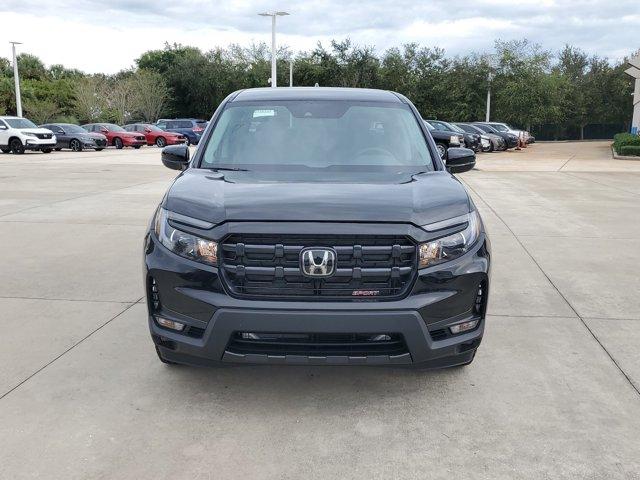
[97,36]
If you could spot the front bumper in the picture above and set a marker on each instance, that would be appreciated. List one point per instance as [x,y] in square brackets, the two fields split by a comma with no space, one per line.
[193,294]
[39,143]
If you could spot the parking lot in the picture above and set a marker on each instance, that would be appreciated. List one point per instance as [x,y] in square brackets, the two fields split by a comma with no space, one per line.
[554,391]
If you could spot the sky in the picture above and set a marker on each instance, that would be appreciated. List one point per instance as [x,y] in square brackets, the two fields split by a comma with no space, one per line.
[107,36]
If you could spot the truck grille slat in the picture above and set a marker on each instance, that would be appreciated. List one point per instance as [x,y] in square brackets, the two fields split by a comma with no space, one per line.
[317,344]
[367,266]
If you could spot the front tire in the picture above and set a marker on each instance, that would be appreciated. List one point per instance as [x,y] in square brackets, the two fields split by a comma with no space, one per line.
[16,146]
[5,150]
[117,142]
[47,150]
[137,146]
[99,149]
[161,142]
[442,150]
[57,149]
[75,145]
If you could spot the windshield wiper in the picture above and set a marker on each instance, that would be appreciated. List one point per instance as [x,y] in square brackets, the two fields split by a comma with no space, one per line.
[229,169]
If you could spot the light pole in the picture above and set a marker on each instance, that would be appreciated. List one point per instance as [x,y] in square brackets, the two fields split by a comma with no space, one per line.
[273,15]
[16,79]
[489,98]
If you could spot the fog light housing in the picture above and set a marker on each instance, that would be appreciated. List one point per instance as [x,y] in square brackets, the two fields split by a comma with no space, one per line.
[171,324]
[463,327]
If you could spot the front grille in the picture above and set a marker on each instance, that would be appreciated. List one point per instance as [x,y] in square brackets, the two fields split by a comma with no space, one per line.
[140,138]
[367,267]
[43,136]
[100,142]
[317,344]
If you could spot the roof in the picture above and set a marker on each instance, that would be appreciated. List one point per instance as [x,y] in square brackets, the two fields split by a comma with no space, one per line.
[316,93]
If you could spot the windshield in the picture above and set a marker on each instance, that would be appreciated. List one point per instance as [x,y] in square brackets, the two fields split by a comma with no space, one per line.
[329,135]
[68,128]
[113,127]
[442,126]
[455,128]
[20,123]
[499,127]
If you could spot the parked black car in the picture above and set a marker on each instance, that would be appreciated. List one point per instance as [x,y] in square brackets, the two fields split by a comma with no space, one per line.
[470,140]
[510,139]
[496,142]
[75,137]
[191,128]
[444,139]
[317,226]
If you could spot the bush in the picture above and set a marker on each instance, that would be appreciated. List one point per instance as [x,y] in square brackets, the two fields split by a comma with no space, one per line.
[625,139]
[632,150]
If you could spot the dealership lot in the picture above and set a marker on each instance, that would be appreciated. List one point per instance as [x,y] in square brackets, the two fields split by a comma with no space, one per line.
[553,392]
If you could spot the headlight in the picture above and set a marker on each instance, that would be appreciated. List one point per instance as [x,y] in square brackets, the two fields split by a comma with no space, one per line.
[185,244]
[452,246]
[454,140]
[29,134]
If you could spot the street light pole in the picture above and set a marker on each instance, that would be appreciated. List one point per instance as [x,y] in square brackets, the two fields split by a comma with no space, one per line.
[488,101]
[273,15]
[16,79]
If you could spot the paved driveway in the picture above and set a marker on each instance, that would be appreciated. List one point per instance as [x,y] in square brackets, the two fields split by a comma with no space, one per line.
[553,392]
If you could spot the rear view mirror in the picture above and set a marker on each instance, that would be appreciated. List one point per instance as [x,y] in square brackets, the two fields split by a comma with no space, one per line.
[176,157]
[460,159]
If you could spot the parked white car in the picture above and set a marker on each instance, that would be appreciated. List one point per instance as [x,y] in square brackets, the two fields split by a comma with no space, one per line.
[20,134]
[503,127]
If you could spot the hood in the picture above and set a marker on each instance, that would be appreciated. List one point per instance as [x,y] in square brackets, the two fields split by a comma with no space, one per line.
[95,135]
[418,199]
[35,130]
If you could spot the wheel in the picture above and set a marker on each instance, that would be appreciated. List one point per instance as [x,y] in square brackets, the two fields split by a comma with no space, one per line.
[187,142]
[75,145]
[118,143]
[47,150]
[137,146]
[5,150]
[161,142]
[162,359]
[99,149]
[15,145]
[57,149]
[442,149]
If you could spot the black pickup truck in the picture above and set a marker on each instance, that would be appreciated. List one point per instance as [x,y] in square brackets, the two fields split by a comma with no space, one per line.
[317,226]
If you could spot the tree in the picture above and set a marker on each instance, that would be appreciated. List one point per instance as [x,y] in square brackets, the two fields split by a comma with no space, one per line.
[150,94]
[90,98]
[119,95]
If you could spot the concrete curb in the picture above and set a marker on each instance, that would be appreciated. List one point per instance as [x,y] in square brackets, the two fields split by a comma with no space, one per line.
[615,155]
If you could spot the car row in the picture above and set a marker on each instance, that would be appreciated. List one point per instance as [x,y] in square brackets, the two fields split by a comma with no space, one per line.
[478,136]
[20,134]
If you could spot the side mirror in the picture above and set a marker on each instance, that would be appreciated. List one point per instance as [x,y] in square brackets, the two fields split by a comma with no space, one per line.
[104,130]
[3,127]
[460,159]
[147,130]
[60,132]
[176,157]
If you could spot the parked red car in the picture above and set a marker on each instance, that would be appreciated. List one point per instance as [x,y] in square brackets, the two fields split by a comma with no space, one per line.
[116,135]
[155,135]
